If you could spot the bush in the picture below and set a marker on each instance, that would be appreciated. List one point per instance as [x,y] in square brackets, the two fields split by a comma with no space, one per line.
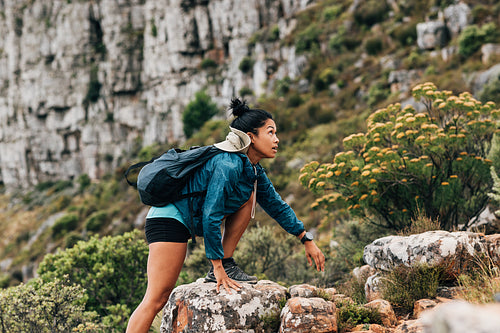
[472,37]
[434,160]
[308,39]
[246,91]
[402,286]
[330,13]
[64,224]
[406,34]
[208,63]
[197,112]
[246,65]
[349,315]
[96,221]
[370,12]
[110,278]
[373,46]
[53,306]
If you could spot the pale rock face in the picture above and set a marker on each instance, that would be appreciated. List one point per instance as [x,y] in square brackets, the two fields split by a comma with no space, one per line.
[81,82]
[455,249]
[197,307]
[462,317]
[301,315]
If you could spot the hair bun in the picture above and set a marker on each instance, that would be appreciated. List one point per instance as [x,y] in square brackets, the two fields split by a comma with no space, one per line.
[238,106]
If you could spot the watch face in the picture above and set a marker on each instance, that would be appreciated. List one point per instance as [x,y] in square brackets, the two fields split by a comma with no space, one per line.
[307,237]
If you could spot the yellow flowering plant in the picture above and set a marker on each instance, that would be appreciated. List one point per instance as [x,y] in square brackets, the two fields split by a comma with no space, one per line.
[433,158]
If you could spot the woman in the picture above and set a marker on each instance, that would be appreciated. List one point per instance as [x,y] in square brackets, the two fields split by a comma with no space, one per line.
[234,182]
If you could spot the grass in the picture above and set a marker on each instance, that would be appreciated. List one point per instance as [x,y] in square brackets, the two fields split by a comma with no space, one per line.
[481,284]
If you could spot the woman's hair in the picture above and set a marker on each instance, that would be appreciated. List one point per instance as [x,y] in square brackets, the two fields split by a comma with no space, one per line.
[247,119]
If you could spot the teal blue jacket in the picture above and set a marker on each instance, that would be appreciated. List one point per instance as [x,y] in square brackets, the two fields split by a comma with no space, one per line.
[229,179]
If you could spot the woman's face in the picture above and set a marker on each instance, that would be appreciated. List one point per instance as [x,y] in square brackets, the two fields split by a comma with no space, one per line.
[265,142]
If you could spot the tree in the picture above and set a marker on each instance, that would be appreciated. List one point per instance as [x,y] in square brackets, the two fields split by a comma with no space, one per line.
[408,160]
[197,112]
[112,270]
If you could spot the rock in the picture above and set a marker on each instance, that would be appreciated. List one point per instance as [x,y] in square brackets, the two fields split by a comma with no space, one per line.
[462,317]
[302,290]
[371,328]
[422,305]
[486,222]
[197,307]
[432,35]
[82,81]
[386,312]
[457,17]
[372,287]
[402,80]
[304,315]
[488,51]
[363,272]
[453,249]
[410,326]
[480,79]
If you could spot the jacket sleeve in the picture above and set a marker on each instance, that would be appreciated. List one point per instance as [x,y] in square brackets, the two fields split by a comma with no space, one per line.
[273,204]
[221,184]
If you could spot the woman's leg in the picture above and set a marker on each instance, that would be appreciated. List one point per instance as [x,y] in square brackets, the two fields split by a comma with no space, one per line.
[164,265]
[235,226]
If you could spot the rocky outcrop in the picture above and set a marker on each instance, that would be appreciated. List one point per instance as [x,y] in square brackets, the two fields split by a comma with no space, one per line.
[455,250]
[82,82]
[197,307]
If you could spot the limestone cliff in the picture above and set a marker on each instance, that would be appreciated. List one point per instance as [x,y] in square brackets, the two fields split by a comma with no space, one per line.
[83,81]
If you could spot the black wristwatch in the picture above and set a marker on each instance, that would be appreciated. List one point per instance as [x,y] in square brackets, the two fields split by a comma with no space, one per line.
[307,237]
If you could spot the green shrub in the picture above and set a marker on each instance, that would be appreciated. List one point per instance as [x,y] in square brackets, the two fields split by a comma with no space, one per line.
[208,63]
[294,101]
[282,87]
[403,285]
[246,91]
[308,39]
[110,278]
[274,34]
[52,306]
[377,93]
[370,12]
[197,112]
[406,34]
[96,221]
[64,224]
[330,13]
[472,37]
[84,181]
[373,46]
[94,88]
[246,64]
[349,315]
[434,160]
[71,239]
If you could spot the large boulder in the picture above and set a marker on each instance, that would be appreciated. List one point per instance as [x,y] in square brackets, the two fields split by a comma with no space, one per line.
[303,315]
[452,249]
[457,17]
[197,307]
[462,317]
[432,35]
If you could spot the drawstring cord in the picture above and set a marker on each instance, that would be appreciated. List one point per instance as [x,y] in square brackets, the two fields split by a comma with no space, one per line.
[254,201]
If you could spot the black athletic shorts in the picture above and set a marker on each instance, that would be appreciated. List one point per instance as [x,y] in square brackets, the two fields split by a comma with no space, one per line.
[165,229]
